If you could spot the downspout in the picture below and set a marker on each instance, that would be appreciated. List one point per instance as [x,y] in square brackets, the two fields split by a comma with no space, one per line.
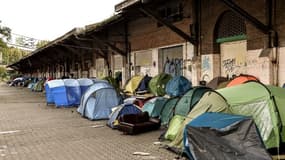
[276,44]
[273,40]
[127,48]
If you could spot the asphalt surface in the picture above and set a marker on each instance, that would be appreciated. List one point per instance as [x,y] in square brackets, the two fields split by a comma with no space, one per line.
[31,130]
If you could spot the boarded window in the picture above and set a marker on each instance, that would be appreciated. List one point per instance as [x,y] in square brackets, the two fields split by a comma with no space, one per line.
[118,62]
[143,58]
[172,53]
[173,56]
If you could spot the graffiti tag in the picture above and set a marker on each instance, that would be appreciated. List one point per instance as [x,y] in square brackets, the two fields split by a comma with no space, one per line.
[229,65]
[206,63]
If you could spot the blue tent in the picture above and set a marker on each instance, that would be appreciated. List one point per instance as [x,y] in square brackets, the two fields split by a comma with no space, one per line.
[49,95]
[58,91]
[64,92]
[223,136]
[84,84]
[121,110]
[143,86]
[98,101]
[177,86]
[73,91]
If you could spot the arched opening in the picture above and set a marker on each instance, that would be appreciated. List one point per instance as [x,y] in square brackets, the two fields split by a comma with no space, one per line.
[230,42]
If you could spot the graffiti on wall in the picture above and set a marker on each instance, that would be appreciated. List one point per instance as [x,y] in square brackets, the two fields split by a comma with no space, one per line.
[206,68]
[229,65]
[233,58]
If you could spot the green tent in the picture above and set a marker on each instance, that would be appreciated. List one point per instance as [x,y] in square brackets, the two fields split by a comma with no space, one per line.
[154,106]
[158,83]
[38,87]
[264,103]
[183,107]
[211,101]
[189,99]
[174,126]
[168,110]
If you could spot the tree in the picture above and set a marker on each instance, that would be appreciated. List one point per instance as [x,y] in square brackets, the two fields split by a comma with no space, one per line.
[5,35]
[12,54]
[42,43]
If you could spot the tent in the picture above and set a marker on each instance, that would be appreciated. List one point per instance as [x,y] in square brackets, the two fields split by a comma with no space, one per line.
[133,84]
[189,99]
[158,83]
[167,111]
[98,100]
[223,136]
[211,101]
[241,79]
[215,82]
[31,85]
[59,94]
[140,101]
[49,95]
[119,111]
[223,84]
[184,105]
[265,104]
[143,86]
[65,92]
[73,91]
[84,84]
[38,87]
[154,106]
[177,86]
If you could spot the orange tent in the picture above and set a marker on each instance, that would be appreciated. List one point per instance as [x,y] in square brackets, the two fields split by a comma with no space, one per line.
[242,79]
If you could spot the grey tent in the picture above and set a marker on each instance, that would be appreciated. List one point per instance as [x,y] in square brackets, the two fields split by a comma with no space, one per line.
[223,136]
[98,101]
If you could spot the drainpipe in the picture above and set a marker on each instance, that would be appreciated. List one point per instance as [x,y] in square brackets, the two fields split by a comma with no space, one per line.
[273,40]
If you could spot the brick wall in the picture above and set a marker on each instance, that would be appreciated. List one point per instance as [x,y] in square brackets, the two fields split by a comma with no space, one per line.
[145,33]
[212,9]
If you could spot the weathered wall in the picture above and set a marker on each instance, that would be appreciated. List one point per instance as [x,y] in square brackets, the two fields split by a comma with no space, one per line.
[281,72]
[212,9]
[145,33]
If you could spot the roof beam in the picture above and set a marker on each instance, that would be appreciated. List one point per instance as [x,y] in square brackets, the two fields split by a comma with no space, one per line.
[106,43]
[259,25]
[83,44]
[173,28]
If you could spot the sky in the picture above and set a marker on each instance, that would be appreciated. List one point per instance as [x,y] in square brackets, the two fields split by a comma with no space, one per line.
[50,19]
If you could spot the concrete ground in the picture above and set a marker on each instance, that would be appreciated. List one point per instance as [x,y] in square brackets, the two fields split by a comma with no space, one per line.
[30,130]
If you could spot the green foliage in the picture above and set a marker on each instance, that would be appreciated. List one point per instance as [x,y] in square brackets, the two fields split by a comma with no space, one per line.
[42,43]
[3,73]
[12,54]
[5,35]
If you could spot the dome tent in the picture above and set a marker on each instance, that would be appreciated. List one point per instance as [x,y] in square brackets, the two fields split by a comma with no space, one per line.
[98,101]
[223,136]
[177,86]
[158,83]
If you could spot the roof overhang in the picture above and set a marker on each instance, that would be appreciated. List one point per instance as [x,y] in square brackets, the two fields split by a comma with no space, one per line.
[119,7]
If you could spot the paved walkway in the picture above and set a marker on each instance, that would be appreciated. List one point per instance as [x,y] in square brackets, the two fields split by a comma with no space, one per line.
[30,130]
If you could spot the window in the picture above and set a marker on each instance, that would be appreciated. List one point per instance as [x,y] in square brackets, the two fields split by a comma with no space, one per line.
[171,13]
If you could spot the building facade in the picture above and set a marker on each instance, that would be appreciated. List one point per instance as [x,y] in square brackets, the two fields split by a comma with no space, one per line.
[199,39]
